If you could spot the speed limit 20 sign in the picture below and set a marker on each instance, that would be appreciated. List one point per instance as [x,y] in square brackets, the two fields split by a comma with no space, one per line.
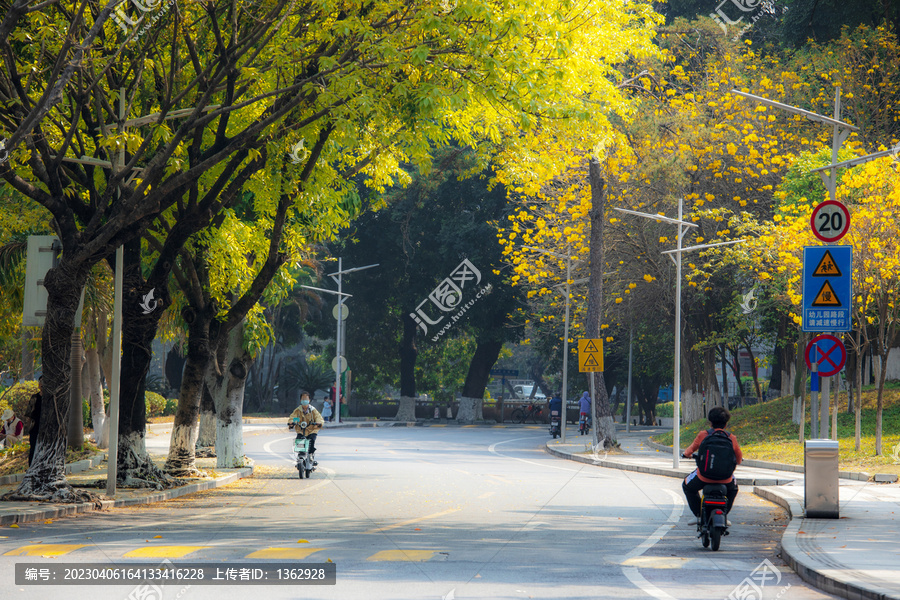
[830,221]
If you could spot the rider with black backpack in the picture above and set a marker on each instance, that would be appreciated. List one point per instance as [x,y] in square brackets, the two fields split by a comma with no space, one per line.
[718,454]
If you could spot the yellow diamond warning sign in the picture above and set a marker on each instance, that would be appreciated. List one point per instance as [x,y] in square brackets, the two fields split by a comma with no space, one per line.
[826,296]
[827,267]
[590,355]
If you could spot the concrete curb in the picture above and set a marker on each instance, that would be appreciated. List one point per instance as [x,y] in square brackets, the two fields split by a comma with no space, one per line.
[681,473]
[616,465]
[763,464]
[42,512]
[75,467]
[357,424]
[794,556]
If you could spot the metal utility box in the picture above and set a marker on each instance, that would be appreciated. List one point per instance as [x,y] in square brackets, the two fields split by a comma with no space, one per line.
[820,461]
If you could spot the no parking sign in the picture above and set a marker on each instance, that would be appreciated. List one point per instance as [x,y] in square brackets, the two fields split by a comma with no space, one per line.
[828,353]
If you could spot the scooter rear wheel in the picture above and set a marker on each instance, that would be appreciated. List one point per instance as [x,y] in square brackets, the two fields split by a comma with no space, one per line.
[716,534]
[300,472]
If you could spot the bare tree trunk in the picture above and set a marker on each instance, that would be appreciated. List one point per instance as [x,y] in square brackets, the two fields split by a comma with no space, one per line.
[136,469]
[605,427]
[226,385]
[181,461]
[206,436]
[75,421]
[45,478]
[406,411]
[472,401]
[754,374]
[95,393]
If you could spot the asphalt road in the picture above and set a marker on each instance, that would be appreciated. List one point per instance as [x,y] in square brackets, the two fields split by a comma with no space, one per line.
[423,513]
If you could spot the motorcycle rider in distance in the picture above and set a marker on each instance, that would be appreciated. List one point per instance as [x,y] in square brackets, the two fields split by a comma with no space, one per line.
[693,483]
[556,403]
[308,413]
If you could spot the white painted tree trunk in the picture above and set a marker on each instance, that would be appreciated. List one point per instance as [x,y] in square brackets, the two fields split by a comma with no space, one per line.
[407,409]
[206,434]
[98,410]
[227,392]
[691,406]
[230,432]
[606,430]
[467,412]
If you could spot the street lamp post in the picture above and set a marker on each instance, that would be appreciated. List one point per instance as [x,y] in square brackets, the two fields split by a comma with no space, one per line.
[828,174]
[337,276]
[676,388]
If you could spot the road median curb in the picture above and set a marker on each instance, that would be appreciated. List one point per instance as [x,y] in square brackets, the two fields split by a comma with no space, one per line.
[775,466]
[27,512]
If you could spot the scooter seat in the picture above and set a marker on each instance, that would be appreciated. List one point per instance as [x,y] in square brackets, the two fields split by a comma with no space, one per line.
[715,489]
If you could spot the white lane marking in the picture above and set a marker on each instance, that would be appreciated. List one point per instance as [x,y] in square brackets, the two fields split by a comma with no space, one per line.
[493,450]
[268,448]
[663,529]
[411,521]
[632,573]
[648,588]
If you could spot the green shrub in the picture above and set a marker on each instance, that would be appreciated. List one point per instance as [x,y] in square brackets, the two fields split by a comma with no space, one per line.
[171,407]
[665,410]
[17,397]
[156,404]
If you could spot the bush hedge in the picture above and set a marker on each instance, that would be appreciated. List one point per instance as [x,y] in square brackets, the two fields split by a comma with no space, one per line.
[17,397]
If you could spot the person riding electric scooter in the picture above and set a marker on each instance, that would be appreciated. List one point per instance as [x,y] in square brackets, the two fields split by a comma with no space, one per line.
[556,415]
[719,455]
[306,412]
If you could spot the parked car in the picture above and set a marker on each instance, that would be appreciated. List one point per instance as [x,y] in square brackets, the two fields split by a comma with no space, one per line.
[524,392]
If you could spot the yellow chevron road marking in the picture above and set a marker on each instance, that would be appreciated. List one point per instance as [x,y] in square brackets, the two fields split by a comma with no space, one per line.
[44,550]
[279,553]
[163,551]
[403,555]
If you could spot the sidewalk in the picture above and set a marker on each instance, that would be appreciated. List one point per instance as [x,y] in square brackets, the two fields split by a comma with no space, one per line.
[856,556]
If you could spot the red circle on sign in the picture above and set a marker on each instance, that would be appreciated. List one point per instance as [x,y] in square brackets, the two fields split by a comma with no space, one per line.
[826,346]
[830,221]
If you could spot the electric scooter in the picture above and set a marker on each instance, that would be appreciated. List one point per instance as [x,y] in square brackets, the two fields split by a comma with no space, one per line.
[712,524]
[305,462]
[584,424]
[555,424]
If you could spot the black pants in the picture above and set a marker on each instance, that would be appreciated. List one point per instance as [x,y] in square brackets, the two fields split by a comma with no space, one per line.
[692,487]
[312,442]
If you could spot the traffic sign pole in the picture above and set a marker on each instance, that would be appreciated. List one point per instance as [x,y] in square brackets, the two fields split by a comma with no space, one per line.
[814,407]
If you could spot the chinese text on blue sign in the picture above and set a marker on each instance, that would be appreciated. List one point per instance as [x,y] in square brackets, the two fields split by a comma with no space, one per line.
[827,293]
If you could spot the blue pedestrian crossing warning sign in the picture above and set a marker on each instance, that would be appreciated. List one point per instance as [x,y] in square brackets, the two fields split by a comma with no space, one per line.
[827,293]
